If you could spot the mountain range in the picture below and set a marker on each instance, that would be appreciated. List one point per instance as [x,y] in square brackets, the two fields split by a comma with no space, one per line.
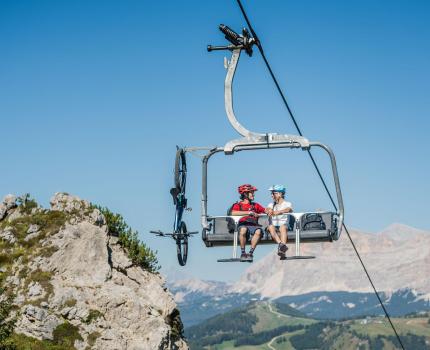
[333,285]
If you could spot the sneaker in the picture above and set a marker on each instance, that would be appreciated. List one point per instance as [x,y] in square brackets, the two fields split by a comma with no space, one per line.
[250,257]
[243,257]
[282,249]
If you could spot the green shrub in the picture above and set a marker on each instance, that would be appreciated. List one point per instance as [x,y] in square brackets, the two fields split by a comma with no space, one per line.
[7,324]
[92,316]
[70,302]
[115,222]
[138,252]
[49,223]
[65,335]
[92,338]
[26,203]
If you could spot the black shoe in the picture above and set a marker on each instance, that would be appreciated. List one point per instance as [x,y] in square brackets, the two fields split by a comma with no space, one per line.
[243,257]
[282,249]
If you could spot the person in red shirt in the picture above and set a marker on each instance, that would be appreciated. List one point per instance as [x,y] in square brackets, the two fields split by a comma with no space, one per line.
[248,224]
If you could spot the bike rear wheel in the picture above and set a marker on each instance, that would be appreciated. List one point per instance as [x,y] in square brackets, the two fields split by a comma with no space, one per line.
[182,245]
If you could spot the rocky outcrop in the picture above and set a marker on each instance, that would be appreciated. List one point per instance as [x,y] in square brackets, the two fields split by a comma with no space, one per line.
[76,276]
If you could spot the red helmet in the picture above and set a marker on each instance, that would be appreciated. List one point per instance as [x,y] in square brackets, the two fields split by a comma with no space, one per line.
[246,188]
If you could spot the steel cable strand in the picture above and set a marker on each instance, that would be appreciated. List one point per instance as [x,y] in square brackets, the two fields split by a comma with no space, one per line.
[260,48]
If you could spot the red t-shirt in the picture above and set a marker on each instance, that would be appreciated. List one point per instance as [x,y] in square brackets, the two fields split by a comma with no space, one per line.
[255,207]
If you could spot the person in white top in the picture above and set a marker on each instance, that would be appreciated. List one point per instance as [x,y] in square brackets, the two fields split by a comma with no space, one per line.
[278,218]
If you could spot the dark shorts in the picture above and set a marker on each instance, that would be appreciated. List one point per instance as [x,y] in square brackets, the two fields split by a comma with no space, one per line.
[250,229]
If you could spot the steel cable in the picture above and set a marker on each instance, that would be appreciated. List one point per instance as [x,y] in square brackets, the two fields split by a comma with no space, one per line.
[260,48]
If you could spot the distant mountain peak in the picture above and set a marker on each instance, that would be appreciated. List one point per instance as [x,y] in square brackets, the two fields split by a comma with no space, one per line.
[396,258]
[402,231]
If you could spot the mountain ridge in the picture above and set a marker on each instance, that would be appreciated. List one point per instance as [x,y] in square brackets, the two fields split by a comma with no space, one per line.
[307,288]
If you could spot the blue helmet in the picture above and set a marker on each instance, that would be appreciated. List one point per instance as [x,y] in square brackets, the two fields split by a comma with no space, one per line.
[277,188]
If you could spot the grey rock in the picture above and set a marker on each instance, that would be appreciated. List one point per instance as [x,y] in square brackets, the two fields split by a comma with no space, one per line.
[37,323]
[33,228]
[82,314]
[119,260]
[82,256]
[8,235]
[19,299]
[32,232]
[34,290]
[3,211]
[14,214]
[10,201]
[68,203]
[97,218]
[35,313]
[69,312]
[31,236]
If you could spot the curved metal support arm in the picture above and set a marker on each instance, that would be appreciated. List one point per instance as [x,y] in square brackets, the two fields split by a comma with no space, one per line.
[204,200]
[228,96]
[340,209]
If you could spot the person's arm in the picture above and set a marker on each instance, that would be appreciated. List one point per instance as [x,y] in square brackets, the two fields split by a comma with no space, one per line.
[241,212]
[286,210]
[259,210]
[237,212]
[282,211]
[269,209]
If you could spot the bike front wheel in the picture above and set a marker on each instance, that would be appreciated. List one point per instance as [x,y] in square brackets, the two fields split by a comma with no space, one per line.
[180,170]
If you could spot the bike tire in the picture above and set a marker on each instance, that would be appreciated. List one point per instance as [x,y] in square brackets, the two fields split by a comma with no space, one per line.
[180,170]
[182,245]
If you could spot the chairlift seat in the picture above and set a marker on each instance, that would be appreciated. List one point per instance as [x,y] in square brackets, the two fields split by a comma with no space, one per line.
[219,235]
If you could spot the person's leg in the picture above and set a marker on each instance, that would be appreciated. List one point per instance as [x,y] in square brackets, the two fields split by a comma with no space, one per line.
[282,247]
[284,233]
[242,239]
[255,239]
[242,236]
[274,234]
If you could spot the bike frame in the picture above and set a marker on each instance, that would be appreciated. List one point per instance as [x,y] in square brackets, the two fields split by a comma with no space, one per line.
[180,208]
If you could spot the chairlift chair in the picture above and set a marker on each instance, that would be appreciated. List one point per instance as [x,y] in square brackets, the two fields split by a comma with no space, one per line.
[215,231]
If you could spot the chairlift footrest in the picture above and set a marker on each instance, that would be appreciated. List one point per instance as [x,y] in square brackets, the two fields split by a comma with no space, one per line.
[298,257]
[229,260]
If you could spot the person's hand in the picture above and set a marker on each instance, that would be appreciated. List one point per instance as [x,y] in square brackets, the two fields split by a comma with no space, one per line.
[252,213]
[275,212]
[269,211]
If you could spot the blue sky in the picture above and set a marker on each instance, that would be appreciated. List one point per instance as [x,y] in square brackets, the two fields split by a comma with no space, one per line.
[94,97]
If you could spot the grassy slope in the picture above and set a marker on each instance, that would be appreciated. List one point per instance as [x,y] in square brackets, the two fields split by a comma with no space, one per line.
[339,335]
[267,320]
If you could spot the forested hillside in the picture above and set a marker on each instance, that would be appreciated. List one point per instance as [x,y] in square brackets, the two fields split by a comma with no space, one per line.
[265,325]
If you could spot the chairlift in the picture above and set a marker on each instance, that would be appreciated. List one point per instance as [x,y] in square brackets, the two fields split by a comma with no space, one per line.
[215,229]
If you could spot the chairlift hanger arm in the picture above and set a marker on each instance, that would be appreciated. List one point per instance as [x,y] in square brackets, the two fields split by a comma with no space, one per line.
[250,138]
[239,43]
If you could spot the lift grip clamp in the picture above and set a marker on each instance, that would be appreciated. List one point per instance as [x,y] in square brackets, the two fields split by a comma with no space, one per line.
[231,35]
[243,41]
